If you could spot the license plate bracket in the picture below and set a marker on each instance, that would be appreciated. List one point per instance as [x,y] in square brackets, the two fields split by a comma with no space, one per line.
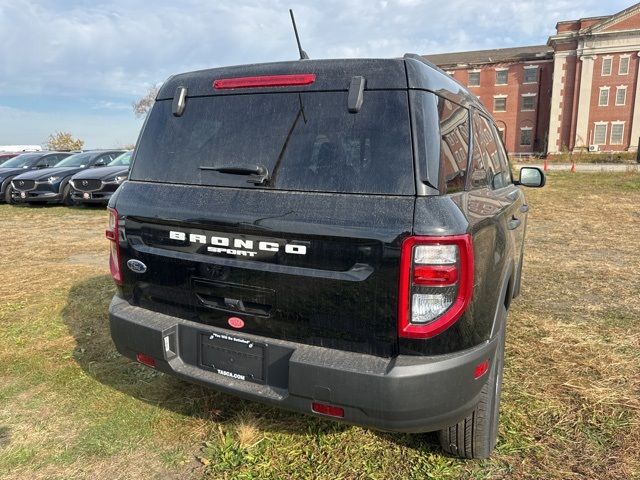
[234,357]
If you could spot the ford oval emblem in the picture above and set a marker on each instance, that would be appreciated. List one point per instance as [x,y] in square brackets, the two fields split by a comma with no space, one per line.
[235,322]
[136,266]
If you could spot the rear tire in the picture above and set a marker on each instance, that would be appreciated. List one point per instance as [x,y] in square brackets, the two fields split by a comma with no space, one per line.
[476,435]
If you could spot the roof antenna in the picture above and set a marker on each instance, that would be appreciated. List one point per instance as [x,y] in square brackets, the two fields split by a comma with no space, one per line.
[303,54]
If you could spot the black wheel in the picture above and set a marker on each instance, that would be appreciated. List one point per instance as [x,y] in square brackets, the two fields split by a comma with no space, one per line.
[476,435]
[7,193]
[66,196]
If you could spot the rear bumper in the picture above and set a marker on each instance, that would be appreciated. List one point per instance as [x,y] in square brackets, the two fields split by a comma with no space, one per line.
[404,394]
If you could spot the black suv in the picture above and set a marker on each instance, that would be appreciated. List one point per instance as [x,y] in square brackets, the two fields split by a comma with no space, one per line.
[97,186]
[22,164]
[337,237]
[52,185]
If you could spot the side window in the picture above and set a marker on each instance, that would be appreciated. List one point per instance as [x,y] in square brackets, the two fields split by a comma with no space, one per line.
[479,173]
[503,158]
[493,154]
[454,145]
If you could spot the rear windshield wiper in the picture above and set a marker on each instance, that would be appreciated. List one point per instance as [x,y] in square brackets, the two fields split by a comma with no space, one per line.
[258,173]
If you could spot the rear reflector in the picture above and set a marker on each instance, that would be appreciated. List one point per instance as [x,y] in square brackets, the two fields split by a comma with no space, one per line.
[481,369]
[329,410]
[265,81]
[146,360]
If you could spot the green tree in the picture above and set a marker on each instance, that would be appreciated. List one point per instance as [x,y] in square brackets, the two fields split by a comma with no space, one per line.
[64,141]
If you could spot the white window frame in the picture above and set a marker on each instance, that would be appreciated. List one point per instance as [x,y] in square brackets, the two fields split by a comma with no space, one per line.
[608,90]
[521,103]
[604,60]
[495,97]
[520,139]
[468,74]
[606,130]
[502,69]
[621,142]
[531,67]
[624,100]
[628,58]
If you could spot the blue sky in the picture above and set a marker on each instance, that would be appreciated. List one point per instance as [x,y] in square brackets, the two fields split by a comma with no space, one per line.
[78,65]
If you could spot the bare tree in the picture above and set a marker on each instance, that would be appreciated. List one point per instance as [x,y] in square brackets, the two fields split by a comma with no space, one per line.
[142,106]
[64,141]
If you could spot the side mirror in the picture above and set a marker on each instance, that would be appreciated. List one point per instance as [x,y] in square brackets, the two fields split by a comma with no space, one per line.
[531,177]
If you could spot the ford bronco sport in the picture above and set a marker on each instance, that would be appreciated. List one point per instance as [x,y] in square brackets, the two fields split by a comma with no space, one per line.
[337,237]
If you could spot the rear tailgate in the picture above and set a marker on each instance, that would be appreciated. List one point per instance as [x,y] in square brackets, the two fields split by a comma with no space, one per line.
[279,206]
[335,285]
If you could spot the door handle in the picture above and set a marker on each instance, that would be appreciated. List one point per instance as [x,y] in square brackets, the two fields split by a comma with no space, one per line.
[524,208]
[514,223]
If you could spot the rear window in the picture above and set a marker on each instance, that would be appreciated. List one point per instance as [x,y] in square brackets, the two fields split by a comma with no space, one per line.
[306,141]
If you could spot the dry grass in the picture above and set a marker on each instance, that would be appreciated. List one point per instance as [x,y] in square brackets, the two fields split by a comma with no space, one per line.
[70,407]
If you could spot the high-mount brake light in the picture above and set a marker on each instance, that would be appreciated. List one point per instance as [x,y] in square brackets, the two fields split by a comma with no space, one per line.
[436,284]
[114,247]
[265,81]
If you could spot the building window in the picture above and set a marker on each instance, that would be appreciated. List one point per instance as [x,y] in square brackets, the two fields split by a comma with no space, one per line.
[474,79]
[530,74]
[500,104]
[600,134]
[617,132]
[606,65]
[526,136]
[621,95]
[603,101]
[501,134]
[528,103]
[623,67]
[502,76]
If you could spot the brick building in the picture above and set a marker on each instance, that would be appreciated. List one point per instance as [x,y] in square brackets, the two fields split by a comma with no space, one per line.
[580,91]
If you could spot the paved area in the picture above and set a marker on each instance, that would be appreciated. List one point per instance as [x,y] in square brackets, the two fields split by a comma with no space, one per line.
[588,167]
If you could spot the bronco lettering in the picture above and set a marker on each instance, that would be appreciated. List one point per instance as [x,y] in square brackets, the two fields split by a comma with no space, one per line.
[238,246]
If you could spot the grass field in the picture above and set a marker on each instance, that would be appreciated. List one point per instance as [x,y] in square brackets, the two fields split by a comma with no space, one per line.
[71,407]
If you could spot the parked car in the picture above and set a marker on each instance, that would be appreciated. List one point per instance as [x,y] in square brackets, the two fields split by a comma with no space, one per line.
[97,186]
[337,237]
[52,185]
[21,164]
[6,156]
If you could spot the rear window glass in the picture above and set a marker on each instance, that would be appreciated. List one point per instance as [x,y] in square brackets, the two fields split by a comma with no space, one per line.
[306,142]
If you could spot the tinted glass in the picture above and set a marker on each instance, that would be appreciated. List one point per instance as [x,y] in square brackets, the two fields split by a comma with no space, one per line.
[307,142]
[479,174]
[22,160]
[77,160]
[454,145]
[504,178]
[489,147]
[122,160]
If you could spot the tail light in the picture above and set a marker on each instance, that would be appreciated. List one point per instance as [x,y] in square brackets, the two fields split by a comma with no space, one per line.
[436,283]
[114,250]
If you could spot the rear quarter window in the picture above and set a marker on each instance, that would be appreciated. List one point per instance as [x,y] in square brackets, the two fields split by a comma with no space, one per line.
[454,145]
[307,142]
